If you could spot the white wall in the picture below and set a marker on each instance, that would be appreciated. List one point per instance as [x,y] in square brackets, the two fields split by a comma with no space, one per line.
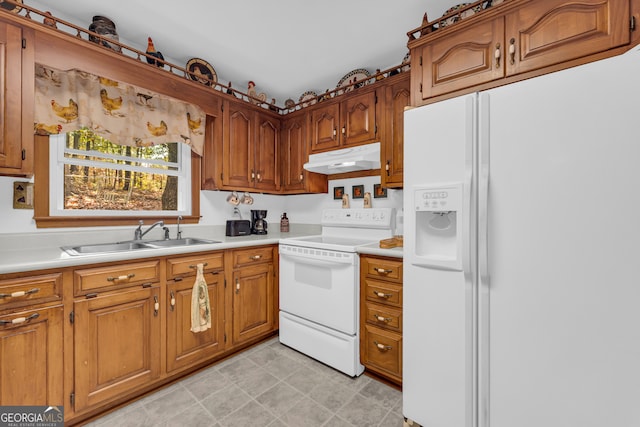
[300,209]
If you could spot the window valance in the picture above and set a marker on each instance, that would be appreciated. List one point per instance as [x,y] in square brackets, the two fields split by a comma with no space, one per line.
[120,112]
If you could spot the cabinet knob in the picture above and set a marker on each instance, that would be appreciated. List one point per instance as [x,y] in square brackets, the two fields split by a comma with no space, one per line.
[173,301]
[156,305]
[497,54]
[237,286]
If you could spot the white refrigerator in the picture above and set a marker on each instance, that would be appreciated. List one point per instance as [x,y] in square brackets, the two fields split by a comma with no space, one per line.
[522,253]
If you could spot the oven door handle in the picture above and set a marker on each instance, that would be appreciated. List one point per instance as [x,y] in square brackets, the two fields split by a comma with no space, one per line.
[319,262]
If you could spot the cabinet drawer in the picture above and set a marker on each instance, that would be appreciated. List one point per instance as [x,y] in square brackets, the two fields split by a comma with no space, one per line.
[383,317]
[252,256]
[383,293]
[382,350]
[383,269]
[116,276]
[30,290]
[186,266]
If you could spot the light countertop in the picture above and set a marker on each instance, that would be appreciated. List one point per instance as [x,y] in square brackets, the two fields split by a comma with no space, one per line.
[38,251]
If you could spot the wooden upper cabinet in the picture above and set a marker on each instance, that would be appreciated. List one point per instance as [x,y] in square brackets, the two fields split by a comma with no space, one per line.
[552,31]
[237,150]
[464,58]
[351,121]
[13,161]
[513,38]
[325,125]
[266,154]
[294,153]
[397,97]
[295,142]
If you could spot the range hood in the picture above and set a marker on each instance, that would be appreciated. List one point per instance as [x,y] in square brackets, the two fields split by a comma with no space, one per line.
[362,157]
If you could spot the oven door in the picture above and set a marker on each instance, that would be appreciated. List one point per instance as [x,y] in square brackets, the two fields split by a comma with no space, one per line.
[320,286]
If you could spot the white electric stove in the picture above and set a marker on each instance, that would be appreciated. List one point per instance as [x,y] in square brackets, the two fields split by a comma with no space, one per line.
[319,285]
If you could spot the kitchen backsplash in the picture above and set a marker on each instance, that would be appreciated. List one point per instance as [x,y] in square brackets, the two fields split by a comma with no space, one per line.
[301,209]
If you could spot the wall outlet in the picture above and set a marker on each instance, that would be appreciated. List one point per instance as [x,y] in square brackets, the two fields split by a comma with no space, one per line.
[22,195]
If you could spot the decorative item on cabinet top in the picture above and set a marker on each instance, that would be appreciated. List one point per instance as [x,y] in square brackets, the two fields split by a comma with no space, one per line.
[201,71]
[254,96]
[104,27]
[11,7]
[353,80]
[308,98]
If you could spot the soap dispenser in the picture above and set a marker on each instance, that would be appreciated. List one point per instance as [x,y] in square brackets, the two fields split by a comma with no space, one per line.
[284,223]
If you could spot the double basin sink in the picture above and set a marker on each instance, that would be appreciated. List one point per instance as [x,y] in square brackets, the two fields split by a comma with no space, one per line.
[133,245]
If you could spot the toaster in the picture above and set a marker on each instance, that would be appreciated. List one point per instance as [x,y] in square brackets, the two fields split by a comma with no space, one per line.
[238,227]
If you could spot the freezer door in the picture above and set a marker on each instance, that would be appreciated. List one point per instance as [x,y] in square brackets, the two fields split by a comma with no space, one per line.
[439,296]
[562,333]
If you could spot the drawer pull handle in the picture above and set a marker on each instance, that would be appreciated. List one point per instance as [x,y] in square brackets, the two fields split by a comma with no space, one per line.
[19,320]
[204,264]
[237,286]
[382,347]
[497,54]
[121,278]
[381,294]
[156,306]
[173,301]
[255,257]
[383,270]
[20,293]
[382,318]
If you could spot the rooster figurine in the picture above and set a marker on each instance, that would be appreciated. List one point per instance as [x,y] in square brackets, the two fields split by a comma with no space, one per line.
[255,97]
[151,51]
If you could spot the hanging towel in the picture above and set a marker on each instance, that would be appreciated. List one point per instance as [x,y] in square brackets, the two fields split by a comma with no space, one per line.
[200,307]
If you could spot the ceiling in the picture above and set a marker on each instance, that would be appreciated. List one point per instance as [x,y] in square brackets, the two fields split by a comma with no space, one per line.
[287,47]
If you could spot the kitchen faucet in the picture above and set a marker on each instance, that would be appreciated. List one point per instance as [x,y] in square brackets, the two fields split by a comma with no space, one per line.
[179,235]
[138,234]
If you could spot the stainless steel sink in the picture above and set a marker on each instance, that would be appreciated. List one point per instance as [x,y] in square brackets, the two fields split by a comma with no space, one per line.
[187,241]
[133,245]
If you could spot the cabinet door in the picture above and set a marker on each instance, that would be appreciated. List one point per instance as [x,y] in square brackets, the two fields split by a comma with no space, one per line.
[325,125]
[10,99]
[238,169]
[252,307]
[184,347]
[294,154]
[267,173]
[397,96]
[117,344]
[555,31]
[461,59]
[31,358]
[358,115]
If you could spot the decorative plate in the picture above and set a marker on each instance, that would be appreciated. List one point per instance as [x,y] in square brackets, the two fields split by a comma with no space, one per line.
[310,96]
[289,103]
[201,71]
[359,75]
[455,18]
[10,7]
[406,62]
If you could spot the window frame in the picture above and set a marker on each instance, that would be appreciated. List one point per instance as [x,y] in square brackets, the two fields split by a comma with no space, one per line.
[43,198]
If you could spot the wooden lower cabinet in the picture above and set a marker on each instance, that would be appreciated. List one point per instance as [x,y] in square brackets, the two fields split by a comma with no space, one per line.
[253,296]
[381,316]
[116,344]
[31,357]
[184,347]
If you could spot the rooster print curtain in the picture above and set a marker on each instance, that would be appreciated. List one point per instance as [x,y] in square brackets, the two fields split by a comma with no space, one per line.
[122,113]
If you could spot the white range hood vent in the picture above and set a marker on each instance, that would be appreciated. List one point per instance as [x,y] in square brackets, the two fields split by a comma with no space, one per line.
[362,157]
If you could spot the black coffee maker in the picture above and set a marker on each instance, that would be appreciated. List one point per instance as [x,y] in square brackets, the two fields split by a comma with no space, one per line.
[258,221]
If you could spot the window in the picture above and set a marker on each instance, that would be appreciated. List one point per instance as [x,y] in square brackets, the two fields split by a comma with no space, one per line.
[90,175]
[92,181]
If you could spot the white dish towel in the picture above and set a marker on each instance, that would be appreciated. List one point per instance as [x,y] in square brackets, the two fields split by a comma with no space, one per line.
[200,307]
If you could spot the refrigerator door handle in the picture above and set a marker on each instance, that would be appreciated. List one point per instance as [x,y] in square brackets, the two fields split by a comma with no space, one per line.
[483,260]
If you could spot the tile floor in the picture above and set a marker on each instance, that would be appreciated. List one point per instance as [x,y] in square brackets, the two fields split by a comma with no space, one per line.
[267,385]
